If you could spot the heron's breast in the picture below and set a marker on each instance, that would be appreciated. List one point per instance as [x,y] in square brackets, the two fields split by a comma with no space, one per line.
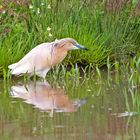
[57,57]
[49,60]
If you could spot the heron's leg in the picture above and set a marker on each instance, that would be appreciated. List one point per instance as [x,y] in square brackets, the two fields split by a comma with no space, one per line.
[51,112]
[42,73]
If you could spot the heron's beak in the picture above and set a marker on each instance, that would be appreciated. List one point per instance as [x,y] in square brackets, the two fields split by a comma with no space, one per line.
[81,47]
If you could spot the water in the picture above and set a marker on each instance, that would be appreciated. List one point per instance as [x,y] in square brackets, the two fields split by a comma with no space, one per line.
[73,110]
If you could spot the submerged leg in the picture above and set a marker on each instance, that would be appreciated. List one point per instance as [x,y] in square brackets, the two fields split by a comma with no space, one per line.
[51,112]
[42,74]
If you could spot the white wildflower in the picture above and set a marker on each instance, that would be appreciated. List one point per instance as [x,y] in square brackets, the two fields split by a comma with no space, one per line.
[88,90]
[50,35]
[48,28]
[30,6]
[3,12]
[42,4]
[38,11]
[49,6]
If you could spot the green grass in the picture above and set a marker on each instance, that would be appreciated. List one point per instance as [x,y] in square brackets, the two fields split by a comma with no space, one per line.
[105,34]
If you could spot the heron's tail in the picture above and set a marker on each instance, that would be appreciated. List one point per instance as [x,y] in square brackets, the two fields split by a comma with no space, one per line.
[17,69]
[12,66]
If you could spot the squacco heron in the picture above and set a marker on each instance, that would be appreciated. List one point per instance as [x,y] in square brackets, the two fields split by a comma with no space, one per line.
[43,57]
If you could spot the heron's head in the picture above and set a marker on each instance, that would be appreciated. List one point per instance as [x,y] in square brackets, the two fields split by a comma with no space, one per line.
[68,44]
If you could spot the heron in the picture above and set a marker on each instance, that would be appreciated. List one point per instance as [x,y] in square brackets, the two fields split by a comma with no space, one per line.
[43,57]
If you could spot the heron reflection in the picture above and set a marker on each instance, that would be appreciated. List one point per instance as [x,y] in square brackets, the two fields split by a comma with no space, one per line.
[46,98]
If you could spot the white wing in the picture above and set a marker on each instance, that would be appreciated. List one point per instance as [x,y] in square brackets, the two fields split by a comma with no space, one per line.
[35,60]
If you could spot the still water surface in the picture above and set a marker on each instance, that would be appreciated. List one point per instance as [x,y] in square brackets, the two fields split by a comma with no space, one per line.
[83,110]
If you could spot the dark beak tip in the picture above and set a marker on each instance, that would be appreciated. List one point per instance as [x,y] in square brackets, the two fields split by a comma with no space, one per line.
[81,47]
[86,49]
